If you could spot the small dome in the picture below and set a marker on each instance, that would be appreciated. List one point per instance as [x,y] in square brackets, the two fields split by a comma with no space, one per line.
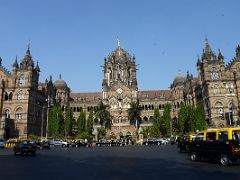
[60,84]
[179,79]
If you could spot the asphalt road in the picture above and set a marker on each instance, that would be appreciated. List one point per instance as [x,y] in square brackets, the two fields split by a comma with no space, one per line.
[121,163]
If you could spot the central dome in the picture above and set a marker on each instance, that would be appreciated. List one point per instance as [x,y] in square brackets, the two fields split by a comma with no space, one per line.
[120,54]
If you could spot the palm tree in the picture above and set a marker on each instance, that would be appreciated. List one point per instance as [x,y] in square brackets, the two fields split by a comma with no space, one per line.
[134,113]
[103,115]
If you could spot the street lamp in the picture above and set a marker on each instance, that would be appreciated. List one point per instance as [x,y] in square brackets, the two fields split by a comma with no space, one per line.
[48,99]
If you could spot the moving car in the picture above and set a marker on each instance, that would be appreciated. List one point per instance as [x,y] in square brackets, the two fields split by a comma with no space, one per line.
[220,144]
[2,143]
[25,147]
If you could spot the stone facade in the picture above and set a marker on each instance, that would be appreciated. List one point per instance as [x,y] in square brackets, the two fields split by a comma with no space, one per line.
[216,87]
[22,99]
[25,101]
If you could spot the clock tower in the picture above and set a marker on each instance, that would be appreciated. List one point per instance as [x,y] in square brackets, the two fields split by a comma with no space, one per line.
[119,87]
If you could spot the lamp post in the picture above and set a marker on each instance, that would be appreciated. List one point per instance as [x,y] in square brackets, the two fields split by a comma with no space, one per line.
[47,116]
[42,122]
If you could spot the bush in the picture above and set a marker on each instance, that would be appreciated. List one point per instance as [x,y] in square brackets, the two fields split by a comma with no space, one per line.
[32,137]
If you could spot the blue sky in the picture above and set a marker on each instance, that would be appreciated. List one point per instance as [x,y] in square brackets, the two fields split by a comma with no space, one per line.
[72,37]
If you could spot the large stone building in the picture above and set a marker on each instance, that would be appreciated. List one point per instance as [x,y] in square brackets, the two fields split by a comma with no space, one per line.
[25,101]
[217,87]
[22,99]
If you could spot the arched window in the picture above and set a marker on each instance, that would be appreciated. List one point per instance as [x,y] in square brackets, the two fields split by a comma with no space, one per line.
[19,113]
[20,95]
[145,119]
[10,96]
[217,89]
[160,106]
[7,114]
[151,119]
[178,105]
[6,96]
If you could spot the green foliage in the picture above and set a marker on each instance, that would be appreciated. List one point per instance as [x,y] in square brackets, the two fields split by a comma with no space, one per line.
[146,132]
[68,122]
[81,122]
[101,132]
[200,117]
[32,137]
[84,135]
[191,119]
[134,112]
[54,117]
[89,126]
[166,121]
[103,114]
[155,129]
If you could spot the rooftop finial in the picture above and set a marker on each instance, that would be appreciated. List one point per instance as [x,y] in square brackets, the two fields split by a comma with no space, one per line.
[60,76]
[118,42]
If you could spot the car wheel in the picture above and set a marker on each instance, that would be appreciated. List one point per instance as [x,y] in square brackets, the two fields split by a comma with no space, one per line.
[193,156]
[224,160]
[158,143]
[63,145]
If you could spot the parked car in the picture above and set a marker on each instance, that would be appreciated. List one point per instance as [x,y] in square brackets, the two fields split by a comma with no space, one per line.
[25,147]
[58,143]
[102,142]
[2,143]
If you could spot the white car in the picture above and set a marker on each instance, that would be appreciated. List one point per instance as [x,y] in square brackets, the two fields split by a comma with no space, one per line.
[2,143]
[59,143]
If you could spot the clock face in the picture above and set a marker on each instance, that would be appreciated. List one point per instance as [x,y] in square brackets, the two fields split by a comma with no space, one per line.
[119,90]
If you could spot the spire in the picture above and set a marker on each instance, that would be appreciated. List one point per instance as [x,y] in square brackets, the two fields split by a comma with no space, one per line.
[27,61]
[60,76]
[15,64]
[0,61]
[37,68]
[220,56]
[50,79]
[207,52]
[238,51]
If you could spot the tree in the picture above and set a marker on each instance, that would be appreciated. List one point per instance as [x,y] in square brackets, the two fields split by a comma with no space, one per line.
[200,117]
[101,132]
[191,119]
[134,113]
[53,121]
[166,123]
[89,127]
[146,132]
[155,130]
[103,115]
[81,122]
[68,122]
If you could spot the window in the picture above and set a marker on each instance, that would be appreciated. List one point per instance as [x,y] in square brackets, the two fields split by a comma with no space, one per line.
[223,136]
[200,137]
[7,113]
[236,135]
[217,90]
[20,95]
[211,136]
[19,113]
[214,73]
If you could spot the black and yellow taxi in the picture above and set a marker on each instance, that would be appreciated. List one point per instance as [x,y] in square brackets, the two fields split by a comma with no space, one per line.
[185,140]
[222,144]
